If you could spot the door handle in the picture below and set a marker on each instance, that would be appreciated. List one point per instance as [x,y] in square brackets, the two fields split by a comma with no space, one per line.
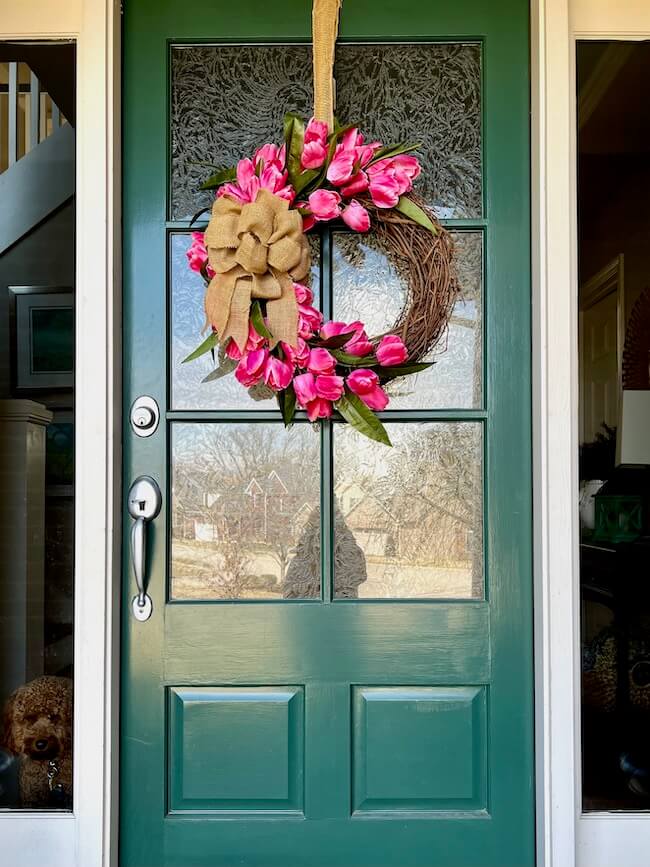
[144,505]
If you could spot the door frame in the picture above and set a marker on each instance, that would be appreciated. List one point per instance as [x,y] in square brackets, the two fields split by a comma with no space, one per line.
[88,837]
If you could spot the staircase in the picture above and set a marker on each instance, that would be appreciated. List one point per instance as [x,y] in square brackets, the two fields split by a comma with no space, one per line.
[37,147]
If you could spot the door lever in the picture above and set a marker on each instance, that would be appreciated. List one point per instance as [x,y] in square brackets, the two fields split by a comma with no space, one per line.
[144,505]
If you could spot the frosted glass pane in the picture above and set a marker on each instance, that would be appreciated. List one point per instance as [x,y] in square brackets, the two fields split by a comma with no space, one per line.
[368,286]
[227,100]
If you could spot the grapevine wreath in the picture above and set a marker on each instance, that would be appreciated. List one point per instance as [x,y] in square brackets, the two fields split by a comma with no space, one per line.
[254,257]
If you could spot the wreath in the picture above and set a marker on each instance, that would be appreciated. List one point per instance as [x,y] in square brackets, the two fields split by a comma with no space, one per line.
[255,259]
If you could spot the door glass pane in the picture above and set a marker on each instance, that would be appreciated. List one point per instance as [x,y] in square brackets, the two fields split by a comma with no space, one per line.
[37,426]
[368,286]
[245,506]
[410,517]
[227,100]
[187,321]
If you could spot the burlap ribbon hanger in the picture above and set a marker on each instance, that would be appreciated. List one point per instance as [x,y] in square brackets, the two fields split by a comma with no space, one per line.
[258,249]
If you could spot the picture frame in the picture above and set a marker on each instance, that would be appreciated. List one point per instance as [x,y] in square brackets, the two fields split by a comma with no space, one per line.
[42,338]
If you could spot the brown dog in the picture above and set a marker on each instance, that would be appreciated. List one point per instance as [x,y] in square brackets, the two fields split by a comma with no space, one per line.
[38,730]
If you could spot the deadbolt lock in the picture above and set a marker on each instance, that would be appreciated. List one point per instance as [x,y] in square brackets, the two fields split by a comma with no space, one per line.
[144,416]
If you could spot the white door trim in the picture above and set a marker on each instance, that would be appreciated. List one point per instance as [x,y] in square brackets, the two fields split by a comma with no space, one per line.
[87,838]
[565,835]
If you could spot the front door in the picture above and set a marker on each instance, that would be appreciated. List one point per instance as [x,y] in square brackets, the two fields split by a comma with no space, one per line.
[337,670]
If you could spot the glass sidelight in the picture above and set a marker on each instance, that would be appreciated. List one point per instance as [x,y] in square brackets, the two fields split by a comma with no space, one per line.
[614,456]
[37,431]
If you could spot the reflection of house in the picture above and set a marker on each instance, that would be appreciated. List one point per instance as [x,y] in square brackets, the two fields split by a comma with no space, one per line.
[263,509]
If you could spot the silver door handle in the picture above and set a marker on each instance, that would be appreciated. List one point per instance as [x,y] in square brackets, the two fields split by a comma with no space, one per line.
[144,505]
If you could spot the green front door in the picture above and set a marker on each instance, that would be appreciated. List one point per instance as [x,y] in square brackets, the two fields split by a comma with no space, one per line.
[338,668]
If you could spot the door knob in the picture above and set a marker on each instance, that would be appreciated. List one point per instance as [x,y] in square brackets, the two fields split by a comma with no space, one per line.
[144,504]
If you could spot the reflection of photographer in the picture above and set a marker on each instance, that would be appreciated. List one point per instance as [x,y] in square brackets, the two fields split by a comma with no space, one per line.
[303,576]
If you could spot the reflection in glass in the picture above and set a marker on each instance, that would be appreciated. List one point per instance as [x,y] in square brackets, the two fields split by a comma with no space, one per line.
[426,92]
[37,435]
[245,499]
[187,318]
[414,510]
[367,285]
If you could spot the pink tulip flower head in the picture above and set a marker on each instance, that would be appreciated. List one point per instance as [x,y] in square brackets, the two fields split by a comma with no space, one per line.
[365,384]
[318,408]
[321,362]
[359,344]
[277,373]
[197,254]
[391,351]
[298,355]
[315,145]
[329,386]
[304,295]
[356,217]
[304,386]
[325,204]
[250,369]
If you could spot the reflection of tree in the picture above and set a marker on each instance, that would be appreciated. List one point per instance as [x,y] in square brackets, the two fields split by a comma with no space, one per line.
[437,479]
[232,578]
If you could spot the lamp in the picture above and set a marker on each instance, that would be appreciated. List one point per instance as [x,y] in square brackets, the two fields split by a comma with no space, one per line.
[633,437]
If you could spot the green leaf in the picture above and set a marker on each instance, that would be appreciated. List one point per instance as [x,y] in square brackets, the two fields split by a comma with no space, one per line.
[354,360]
[209,343]
[258,321]
[363,419]
[218,178]
[287,403]
[395,150]
[294,137]
[402,369]
[414,212]
[304,179]
[338,340]
[227,366]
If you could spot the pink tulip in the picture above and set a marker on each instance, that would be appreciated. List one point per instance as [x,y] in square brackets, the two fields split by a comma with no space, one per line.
[318,408]
[329,386]
[357,184]
[333,329]
[304,295]
[265,171]
[233,351]
[255,340]
[250,369]
[407,168]
[197,254]
[365,384]
[383,186]
[304,386]
[308,222]
[391,351]
[315,145]
[321,362]
[296,355]
[277,373]
[341,168]
[359,344]
[309,320]
[324,204]
[356,217]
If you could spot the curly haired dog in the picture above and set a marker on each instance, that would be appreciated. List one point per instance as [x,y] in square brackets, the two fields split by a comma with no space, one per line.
[38,730]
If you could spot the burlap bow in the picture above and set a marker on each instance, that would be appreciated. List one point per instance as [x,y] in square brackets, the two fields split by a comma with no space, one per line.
[257,250]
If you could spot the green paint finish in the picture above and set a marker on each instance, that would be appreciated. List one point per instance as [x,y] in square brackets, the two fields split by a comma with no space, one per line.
[236,749]
[327,664]
[419,749]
